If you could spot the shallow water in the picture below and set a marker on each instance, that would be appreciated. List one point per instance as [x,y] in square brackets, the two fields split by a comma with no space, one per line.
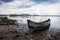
[22,21]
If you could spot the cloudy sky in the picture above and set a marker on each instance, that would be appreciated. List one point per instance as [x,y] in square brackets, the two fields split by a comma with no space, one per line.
[40,7]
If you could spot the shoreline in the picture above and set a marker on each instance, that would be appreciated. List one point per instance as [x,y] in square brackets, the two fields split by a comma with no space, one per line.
[12,32]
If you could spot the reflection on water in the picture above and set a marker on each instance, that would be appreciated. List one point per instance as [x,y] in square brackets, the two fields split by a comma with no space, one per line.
[22,21]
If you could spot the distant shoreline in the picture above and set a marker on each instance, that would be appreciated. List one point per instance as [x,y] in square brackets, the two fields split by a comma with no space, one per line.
[30,15]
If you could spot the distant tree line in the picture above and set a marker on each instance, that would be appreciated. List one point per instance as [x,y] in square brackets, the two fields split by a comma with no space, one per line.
[22,15]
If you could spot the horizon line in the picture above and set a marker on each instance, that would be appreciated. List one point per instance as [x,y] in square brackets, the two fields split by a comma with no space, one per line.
[34,15]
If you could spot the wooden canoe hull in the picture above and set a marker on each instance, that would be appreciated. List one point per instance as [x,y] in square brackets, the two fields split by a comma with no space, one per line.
[34,26]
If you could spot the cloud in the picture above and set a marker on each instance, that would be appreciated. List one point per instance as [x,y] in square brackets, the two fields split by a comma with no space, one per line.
[45,9]
[26,4]
[0,3]
[40,9]
[23,6]
[6,0]
[42,1]
[30,7]
[18,4]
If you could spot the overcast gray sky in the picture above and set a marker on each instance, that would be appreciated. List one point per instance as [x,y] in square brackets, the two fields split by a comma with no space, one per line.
[40,7]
